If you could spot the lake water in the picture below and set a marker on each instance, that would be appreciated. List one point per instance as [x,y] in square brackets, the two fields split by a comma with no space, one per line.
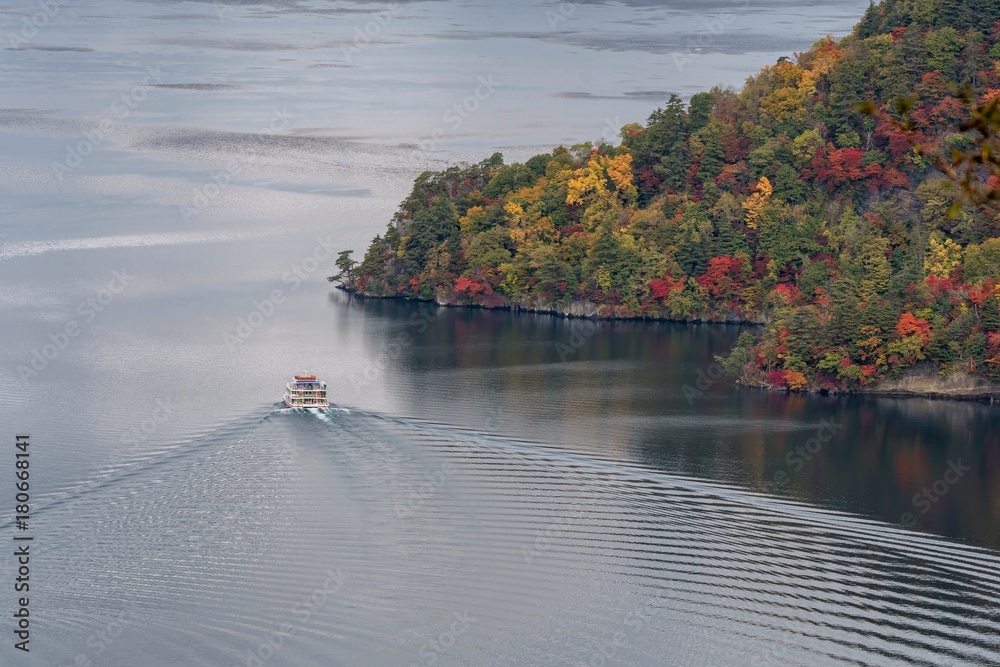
[490,490]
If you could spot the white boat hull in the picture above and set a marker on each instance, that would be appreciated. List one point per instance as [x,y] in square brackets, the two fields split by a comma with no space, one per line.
[290,403]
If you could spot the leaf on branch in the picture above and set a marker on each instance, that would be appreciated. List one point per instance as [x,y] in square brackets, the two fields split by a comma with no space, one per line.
[954,210]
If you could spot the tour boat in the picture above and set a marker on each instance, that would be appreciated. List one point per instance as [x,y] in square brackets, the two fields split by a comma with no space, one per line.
[305,391]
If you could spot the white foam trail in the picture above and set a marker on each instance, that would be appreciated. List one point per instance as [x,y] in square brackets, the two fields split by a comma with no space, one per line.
[31,248]
[319,415]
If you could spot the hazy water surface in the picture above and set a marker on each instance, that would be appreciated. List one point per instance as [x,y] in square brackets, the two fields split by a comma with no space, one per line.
[491,489]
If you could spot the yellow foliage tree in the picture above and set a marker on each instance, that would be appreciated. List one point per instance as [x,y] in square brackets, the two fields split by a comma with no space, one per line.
[942,257]
[530,195]
[591,181]
[796,380]
[784,104]
[820,60]
[805,146]
[604,278]
[471,220]
[756,202]
[788,72]
[514,210]
[619,170]
[588,180]
[871,348]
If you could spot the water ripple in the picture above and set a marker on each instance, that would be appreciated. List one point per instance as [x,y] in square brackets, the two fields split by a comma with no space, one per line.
[556,559]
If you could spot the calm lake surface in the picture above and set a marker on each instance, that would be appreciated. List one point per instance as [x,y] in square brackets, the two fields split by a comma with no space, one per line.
[175,178]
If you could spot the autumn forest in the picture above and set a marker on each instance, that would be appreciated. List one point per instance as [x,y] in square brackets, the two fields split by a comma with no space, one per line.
[811,202]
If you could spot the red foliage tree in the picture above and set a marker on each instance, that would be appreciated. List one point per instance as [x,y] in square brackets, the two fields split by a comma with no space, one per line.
[648,179]
[662,288]
[911,325]
[951,287]
[724,277]
[932,86]
[852,158]
[470,286]
[787,292]
[735,146]
[836,166]
[776,379]
[979,294]
[895,178]
[874,174]
[946,113]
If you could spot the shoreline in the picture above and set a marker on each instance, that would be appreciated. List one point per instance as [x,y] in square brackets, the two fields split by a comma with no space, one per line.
[515,309]
[986,394]
[981,395]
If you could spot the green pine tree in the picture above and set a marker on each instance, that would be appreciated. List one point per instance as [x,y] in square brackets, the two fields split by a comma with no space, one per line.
[989,314]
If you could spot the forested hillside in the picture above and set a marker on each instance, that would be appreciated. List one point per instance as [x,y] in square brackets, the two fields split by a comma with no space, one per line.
[780,203]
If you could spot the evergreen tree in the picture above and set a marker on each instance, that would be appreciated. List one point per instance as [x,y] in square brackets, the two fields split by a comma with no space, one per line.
[875,267]
[845,323]
[871,22]
[788,185]
[430,228]
[699,110]
[712,157]
[989,314]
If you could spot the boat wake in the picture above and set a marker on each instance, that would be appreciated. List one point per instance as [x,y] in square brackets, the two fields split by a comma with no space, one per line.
[416,539]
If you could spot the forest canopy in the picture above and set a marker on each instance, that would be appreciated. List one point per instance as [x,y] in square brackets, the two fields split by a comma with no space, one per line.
[784,203]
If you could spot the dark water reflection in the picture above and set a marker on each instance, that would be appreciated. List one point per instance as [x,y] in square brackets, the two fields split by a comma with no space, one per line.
[644,393]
